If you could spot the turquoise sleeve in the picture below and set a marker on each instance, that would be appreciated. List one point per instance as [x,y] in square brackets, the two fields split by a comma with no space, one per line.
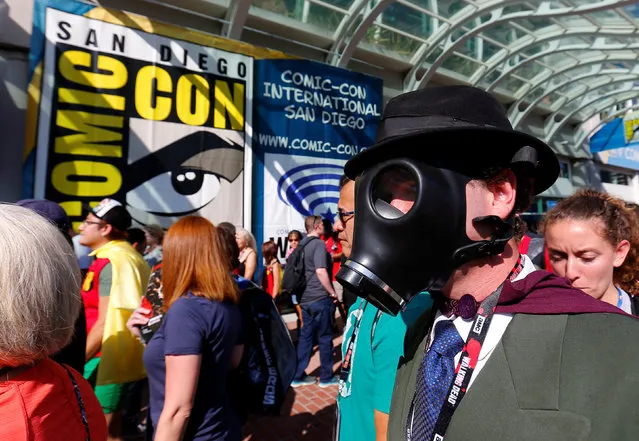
[388,346]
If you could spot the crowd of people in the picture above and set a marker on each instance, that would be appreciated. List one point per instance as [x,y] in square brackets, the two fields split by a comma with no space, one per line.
[121,330]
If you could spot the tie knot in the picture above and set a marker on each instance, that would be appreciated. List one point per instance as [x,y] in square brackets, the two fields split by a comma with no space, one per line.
[447,342]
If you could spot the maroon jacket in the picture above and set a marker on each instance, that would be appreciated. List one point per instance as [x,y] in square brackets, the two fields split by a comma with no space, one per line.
[542,292]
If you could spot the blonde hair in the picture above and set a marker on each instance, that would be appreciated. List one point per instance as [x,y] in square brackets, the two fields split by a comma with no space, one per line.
[39,287]
[248,238]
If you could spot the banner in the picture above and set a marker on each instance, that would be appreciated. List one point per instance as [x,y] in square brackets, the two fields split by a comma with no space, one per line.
[155,116]
[310,119]
[618,133]
[617,142]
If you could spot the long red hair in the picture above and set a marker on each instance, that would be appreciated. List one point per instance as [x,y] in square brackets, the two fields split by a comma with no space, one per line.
[193,261]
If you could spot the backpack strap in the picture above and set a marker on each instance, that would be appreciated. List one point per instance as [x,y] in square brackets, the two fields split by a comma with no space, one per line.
[306,242]
[78,397]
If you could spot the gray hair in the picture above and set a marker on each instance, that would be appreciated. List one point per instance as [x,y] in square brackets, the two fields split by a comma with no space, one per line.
[248,238]
[39,287]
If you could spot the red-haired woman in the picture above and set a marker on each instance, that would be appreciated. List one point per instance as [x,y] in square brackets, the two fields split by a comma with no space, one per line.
[188,358]
[593,241]
[272,280]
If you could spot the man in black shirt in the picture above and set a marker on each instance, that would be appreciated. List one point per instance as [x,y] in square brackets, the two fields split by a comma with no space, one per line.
[318,307]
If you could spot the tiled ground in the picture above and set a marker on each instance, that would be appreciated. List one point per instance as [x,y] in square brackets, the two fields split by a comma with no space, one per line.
[308,414]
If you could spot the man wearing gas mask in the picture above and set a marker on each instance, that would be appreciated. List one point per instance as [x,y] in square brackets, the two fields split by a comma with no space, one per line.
[529,356]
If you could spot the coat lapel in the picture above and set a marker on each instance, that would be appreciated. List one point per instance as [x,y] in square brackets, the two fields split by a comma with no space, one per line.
[516,395]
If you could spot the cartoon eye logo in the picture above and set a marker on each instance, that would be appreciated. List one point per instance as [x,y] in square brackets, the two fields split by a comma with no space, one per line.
[184,176]
[187,182]
[175,192]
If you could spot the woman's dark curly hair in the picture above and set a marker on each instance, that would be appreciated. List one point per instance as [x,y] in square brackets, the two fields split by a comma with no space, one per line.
[619,221]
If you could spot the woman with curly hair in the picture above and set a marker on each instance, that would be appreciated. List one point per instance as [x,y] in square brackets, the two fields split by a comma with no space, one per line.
[593,241]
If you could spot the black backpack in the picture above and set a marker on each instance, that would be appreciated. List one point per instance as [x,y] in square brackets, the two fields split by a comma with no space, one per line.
[259,384]
[294,279]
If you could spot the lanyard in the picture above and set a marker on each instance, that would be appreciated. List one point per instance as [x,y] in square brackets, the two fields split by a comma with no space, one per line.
[465,368]
[347,362]
[620,298]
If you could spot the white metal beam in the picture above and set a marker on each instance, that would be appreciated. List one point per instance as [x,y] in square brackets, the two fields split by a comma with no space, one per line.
[344,46]
[555,46]
[495,9]
[235,18]
[552,126]
[516,115]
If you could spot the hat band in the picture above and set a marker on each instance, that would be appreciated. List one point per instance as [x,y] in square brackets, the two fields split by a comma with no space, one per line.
[407,125]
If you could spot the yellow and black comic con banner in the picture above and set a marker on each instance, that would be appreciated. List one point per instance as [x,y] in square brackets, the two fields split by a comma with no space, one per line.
[153,115]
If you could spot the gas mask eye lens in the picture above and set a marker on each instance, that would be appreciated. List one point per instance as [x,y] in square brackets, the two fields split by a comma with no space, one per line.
[394,192]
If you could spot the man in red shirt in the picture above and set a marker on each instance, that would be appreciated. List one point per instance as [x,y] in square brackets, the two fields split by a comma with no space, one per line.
[334,248]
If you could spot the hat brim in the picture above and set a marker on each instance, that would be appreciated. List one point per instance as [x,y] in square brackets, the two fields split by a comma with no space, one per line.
[473,148]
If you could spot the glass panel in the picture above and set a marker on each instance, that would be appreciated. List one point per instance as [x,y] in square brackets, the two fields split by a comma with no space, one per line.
[571,106]
[446,9]
[536,93]
[573,20]
[608,17]
[556,59]
[478,48]
[492,77]
[288,9]
[535,49]
[564,169]
[461,65]
[316,15]
[549,99]
[393,41]
[517,8]
[530,70]
[535,23]
[572,88]
[435,53]
[342,4]
[512,84]
[408,20]
[503,33]
[613,177]
[324,18]
[578,71]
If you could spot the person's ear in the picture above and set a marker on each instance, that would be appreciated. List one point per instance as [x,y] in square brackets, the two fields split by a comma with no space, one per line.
[106,230]
[621,252]
[503,190]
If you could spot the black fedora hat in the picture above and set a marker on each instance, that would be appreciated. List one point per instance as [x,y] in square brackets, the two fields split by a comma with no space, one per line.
[459,125]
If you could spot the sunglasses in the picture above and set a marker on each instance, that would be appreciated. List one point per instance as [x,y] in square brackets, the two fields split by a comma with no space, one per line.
[344,216]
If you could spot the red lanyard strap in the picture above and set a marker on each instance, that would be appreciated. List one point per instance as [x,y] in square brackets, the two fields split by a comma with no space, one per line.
[467,364]
[465,367]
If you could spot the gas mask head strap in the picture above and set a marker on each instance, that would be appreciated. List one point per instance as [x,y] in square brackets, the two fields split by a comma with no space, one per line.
[480,249]
[525,158]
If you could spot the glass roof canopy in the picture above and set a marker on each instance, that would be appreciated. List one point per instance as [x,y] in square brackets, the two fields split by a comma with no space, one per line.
[574,57]
[568,59]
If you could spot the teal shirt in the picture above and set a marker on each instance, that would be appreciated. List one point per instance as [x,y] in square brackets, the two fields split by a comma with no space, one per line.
[369,386]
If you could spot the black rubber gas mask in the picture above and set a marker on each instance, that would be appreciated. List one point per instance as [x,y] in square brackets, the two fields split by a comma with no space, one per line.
[410,232]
